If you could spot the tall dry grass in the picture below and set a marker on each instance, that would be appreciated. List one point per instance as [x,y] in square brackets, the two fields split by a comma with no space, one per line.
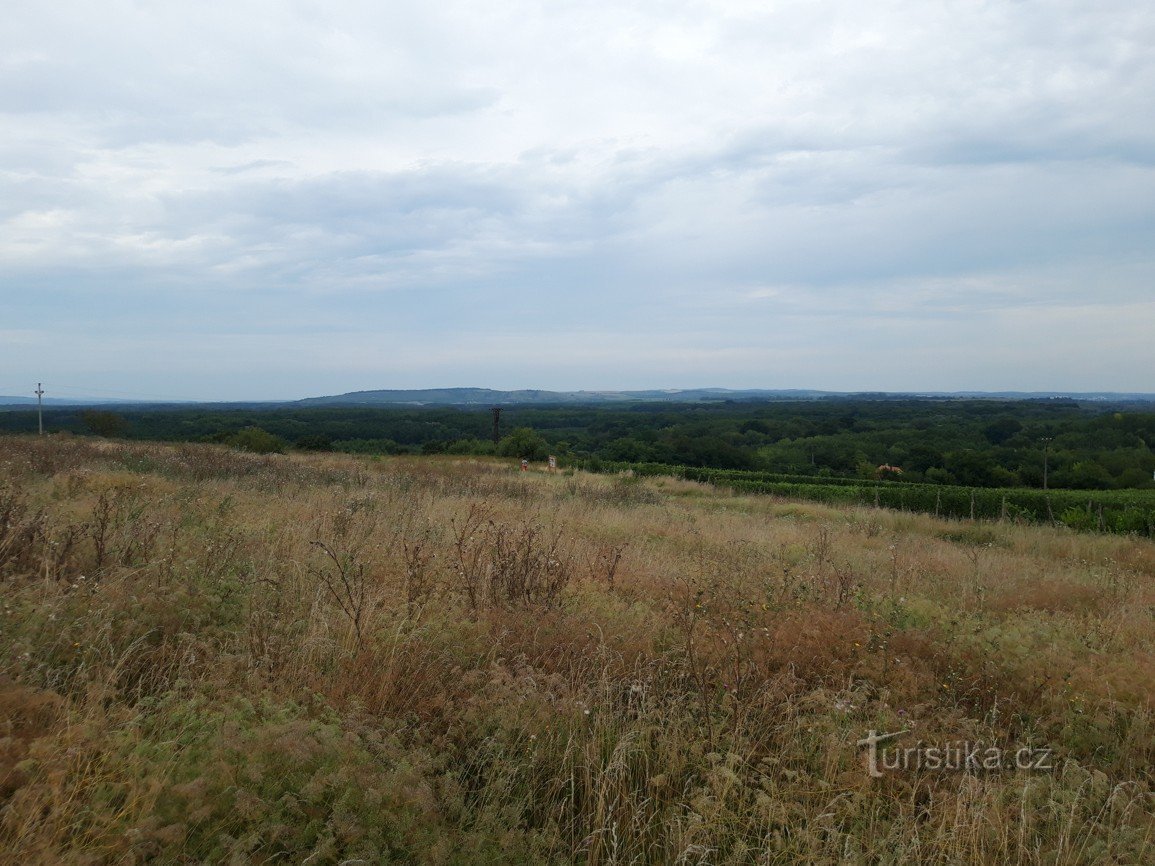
[207,656]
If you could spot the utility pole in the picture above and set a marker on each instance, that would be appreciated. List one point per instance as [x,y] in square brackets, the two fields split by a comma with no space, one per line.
[496,410]
[40,406]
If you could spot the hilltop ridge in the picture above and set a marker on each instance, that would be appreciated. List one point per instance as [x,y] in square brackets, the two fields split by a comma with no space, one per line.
[534,396]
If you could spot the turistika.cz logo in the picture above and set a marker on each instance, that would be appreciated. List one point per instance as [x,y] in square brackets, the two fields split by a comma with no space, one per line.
[961,757]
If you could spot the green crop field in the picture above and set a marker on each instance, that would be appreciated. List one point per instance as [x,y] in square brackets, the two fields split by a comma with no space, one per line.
[1125,511]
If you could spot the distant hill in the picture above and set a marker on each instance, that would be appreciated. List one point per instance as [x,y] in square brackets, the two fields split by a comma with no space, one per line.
[490,397]
[536,397]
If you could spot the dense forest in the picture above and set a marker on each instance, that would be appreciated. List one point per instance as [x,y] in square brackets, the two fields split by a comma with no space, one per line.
[1057,443]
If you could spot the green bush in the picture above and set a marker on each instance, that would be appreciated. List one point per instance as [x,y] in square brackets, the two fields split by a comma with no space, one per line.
[315,443]
[1079,518]
[257,441]
[370,446]
[471,446]
[524,443]
[101,423]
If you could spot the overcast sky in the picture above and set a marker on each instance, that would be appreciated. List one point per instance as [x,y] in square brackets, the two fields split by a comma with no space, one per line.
[281,199]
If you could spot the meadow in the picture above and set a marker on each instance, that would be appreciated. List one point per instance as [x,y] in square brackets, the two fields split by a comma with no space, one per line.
[208,656]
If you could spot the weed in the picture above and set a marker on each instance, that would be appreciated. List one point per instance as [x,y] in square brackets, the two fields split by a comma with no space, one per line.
[343,577]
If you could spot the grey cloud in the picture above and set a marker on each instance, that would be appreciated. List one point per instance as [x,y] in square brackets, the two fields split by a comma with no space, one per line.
[656,175]
[219,75]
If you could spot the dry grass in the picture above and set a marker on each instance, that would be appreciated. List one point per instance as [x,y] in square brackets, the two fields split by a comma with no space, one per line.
[207,656]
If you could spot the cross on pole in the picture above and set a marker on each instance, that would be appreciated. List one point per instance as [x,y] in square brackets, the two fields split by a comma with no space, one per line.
[39,392]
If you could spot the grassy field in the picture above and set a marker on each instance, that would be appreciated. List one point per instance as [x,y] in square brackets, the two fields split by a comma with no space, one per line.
[208,656]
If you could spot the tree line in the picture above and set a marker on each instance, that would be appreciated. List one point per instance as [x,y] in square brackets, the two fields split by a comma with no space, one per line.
[1059,443]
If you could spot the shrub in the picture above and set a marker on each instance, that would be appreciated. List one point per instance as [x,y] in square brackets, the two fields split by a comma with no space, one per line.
[370,446]
[525,444]
[471,446]
[101,423]
[500,564]
[315,443]
[257,441]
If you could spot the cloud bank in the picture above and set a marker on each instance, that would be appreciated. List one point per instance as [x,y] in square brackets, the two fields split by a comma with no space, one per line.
[271,200]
